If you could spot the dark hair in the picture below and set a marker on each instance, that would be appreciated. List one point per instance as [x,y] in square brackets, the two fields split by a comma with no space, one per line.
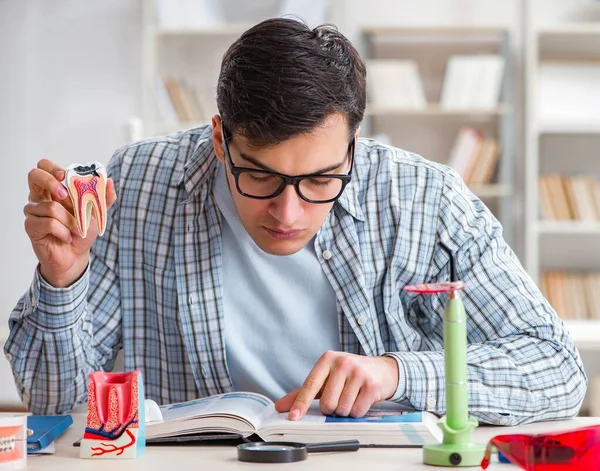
[281,79]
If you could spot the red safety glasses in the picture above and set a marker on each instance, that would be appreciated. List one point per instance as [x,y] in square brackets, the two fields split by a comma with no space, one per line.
[576,449]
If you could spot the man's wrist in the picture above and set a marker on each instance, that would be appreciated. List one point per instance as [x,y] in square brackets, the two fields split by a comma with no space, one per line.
[66,279]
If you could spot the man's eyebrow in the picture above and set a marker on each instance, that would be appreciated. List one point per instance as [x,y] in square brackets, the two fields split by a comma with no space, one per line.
[255,162]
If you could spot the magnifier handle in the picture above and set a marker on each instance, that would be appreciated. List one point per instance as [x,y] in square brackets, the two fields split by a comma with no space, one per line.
[347,445]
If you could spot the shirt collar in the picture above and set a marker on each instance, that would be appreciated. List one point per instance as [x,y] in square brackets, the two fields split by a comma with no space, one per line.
[200,163]
[349,200]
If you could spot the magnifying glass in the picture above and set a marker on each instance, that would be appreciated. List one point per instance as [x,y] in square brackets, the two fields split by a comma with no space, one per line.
[289,452]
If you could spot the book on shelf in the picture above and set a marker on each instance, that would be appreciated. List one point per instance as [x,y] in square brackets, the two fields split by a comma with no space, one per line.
[250,415]
[486,162]
[547,209]
[573,295]
[465,150]
[569,197]
[395,84]
[177,102]
[474,157]
[472,81]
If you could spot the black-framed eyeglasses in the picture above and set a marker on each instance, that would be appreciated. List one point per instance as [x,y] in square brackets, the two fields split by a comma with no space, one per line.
[263,184]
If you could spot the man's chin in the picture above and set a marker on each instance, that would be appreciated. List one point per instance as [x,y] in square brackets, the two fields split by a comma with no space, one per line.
[281,247]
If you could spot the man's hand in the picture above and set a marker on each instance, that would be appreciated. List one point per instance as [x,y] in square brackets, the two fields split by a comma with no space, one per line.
[51,226]
[346,384]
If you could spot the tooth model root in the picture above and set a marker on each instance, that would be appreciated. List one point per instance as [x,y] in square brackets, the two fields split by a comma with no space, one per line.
[88,200]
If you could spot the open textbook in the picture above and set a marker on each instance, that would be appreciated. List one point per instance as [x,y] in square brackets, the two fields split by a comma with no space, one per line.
[244,414]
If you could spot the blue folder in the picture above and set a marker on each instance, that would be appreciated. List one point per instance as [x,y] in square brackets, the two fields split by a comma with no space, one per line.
[44,429]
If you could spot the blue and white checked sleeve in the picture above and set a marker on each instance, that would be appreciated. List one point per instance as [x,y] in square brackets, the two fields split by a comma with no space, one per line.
[58,336]
[522,364]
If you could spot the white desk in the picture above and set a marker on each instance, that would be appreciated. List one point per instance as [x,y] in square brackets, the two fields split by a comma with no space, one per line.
[203,458]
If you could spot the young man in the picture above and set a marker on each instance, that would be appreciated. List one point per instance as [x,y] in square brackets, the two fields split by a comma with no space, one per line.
[269,251]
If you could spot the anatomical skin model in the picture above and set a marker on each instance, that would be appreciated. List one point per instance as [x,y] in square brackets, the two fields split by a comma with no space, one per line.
[115,418]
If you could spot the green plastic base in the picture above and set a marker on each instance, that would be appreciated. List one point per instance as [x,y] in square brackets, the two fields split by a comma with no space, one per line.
[460,455]
[457,448]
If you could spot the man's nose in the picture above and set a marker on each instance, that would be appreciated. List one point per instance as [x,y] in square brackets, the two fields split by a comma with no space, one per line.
[287,207]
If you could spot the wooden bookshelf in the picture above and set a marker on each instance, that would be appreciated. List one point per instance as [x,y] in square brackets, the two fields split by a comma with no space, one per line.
[561,140]
[166,54]
[574,43]
[433,130]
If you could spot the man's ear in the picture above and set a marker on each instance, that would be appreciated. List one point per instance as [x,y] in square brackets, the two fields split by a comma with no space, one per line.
[357,133]
[217,138]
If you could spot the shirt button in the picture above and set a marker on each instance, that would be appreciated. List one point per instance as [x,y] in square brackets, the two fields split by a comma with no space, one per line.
[431,402]
[8,356]
[362,320]
[503,420]
[327,254]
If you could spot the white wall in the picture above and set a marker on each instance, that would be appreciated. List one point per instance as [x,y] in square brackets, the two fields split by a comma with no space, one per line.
[70,75]
[70,80]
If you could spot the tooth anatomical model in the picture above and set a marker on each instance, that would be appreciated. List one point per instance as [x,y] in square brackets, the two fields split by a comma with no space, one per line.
[86,185]
[13,442]
[116,426]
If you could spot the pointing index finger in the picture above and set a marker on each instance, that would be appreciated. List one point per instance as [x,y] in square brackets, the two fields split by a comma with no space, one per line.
[309,390]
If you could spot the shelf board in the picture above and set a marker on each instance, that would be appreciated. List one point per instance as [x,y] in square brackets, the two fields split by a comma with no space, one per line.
[430,30]
[174,127]
[218,30]
[581,28]
[568,227]
[569,42]
[569,128]
[493,190]
[436,110]
[585,333]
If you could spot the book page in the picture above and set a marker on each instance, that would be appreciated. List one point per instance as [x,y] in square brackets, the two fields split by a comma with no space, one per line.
[251,407]
[386,424]
[385,411]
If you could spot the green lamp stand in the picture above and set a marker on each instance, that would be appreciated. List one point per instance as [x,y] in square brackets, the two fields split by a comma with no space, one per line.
[456,449]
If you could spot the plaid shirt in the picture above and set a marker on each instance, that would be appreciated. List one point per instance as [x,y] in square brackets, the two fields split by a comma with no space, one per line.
[153,289]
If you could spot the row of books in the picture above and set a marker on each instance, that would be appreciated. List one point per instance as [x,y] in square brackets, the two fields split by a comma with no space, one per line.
[178,102]
[572,295]
[469,82]
[569,197]
[474,156]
